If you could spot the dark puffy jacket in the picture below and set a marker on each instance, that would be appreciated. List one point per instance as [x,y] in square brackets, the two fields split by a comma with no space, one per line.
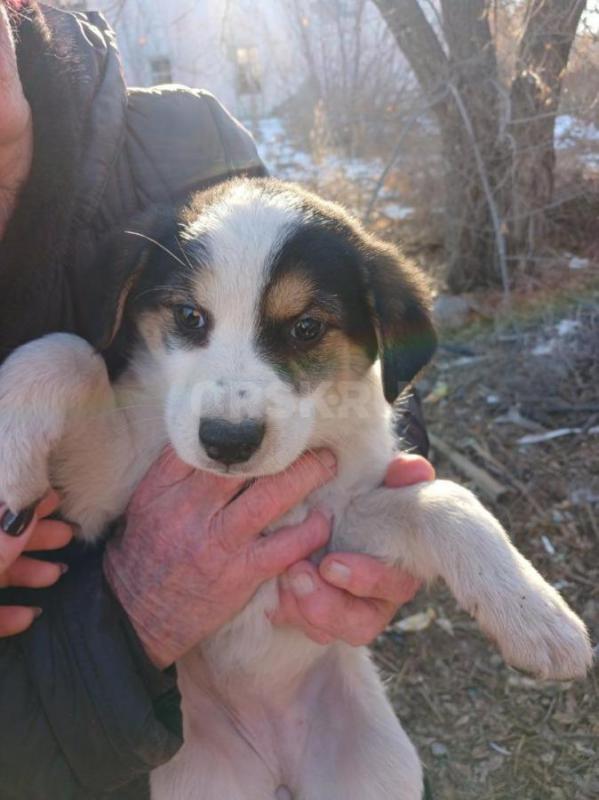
[83,714]
[82,711]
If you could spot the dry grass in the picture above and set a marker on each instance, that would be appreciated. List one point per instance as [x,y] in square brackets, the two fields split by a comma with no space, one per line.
[483,730]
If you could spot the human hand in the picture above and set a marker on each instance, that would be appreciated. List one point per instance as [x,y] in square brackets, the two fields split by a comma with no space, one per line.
[16,127]
[19,570]
[192,554]
[350,596]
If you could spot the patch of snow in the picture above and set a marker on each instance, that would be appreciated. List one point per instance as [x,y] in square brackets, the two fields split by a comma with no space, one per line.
[566,327]
[270,129]
[569,129]
[397,211]
[578,263]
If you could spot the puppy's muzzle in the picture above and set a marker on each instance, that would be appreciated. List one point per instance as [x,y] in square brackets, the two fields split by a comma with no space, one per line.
[231,442]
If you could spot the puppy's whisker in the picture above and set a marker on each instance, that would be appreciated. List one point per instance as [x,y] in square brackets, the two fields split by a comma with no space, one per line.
[158,244]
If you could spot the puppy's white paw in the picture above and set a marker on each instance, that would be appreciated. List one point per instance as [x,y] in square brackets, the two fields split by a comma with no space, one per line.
[23,456]
[40,382]
[538,633]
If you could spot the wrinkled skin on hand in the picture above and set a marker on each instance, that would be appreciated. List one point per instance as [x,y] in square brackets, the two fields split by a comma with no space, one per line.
[192,555]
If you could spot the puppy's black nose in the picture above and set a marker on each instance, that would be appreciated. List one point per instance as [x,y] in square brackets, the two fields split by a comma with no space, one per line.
[231,442]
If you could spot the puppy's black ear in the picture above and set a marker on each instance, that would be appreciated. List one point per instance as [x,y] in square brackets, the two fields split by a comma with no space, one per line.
[122,258]
[401,307]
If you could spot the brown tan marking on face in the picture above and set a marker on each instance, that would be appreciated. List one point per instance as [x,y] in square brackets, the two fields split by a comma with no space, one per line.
[288,296]
[345,359]
[336,359]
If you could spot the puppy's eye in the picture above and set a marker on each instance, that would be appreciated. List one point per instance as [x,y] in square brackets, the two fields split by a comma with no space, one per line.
[308,330]
[190,319]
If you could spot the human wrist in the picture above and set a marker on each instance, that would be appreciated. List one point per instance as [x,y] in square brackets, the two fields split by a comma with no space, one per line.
[138,598]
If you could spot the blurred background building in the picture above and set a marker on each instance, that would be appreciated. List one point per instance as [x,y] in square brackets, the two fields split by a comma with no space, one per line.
[242,51]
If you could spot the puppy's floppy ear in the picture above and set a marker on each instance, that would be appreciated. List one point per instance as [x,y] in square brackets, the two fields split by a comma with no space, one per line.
[123,255]
[401,307]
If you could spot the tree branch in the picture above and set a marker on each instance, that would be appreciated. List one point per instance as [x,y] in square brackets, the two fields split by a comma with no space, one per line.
[417,40]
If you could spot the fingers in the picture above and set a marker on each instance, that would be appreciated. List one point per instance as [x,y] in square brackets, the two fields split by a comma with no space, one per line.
[407,469]
[273,554]
[328,613]
[16,619]
[169,473]
[367,577]
[271,497]
[50,534]
[12,546]
[32,573]
[49,503]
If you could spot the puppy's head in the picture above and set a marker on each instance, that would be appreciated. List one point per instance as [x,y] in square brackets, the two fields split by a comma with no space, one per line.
[260,310]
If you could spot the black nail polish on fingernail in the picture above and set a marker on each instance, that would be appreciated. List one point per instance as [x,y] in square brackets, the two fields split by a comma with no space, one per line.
[15,523]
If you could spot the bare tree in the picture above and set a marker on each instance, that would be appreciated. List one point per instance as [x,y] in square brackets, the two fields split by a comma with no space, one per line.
[497,141]
[352,65]
[543,53]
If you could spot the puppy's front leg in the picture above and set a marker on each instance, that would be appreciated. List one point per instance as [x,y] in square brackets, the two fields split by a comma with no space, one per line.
[440,529]
[47,386]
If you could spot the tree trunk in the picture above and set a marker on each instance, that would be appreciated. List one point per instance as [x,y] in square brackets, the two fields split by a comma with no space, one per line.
[543,54]
[474,150]
[462,87]
[497,185]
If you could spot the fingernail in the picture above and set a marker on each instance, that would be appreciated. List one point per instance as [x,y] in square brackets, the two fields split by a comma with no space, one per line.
[302,584]
[327,459]
[337,573]
[37,612]
[15,523]
[63,568]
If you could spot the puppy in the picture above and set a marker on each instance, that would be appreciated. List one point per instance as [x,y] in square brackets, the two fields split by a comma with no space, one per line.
[260,323]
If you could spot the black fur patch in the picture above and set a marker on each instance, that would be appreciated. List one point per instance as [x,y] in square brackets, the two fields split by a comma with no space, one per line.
[332,264]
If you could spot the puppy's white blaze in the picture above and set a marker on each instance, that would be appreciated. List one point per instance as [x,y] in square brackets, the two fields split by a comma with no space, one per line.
[242,231]
[228,378]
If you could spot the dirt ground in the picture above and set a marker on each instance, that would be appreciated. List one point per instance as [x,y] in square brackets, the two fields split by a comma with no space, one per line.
[483,730]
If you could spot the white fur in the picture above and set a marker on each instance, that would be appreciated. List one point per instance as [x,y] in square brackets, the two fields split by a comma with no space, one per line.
[267,714]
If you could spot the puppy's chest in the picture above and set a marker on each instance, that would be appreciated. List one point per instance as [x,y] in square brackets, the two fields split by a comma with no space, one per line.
[332,501]
[355,477]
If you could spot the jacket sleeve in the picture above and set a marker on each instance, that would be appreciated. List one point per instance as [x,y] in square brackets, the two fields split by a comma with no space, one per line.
[82,711]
